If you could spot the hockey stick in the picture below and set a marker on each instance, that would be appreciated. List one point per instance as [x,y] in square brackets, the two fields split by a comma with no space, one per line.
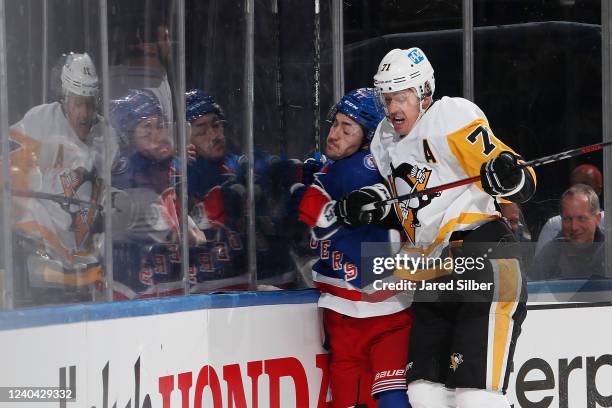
[533,163]
[61,200]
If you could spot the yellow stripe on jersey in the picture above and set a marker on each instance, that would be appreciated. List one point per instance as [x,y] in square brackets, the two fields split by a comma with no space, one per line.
[24,158]
[449,227]
[91,274]
[50,238]
[507,277]
[474,145]
[432,273]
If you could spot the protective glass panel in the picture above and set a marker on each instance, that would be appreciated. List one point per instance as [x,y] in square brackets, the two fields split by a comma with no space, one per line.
[216,111]
[146,172]
[291,100]
[538,77]
[58,151]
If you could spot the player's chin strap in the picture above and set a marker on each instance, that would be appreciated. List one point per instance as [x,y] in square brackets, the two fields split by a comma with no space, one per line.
[553,158]
[421,109]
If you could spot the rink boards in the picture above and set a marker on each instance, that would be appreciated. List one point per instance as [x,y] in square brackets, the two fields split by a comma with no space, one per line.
[257,350]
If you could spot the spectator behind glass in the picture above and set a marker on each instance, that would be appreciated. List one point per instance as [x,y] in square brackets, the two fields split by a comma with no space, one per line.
[57,158]
[583,174]
[146,251]
[577,251]
[514,217]
[141,52]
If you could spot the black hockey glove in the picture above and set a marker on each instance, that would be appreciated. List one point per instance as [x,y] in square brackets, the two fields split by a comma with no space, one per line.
[295,199]
[500,177]
[348,208]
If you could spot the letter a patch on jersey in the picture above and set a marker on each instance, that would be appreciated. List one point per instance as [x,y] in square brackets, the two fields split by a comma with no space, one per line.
[409,178]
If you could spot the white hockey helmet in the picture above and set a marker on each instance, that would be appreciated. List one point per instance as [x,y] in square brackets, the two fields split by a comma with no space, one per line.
[79,75]
[404,69]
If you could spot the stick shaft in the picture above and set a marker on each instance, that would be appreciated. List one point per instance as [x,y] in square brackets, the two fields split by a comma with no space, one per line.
[553,158]
[52,197]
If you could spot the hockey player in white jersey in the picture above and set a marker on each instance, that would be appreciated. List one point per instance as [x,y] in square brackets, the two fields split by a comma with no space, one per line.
[460,350]
[66,144]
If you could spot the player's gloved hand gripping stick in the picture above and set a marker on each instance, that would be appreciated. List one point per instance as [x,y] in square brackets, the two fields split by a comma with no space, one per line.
[533,163]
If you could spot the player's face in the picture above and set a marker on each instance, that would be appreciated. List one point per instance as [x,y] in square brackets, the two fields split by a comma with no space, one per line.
[163,43]
[512,214]
[577,222]
[403,109]
[80,112]
[208,137]
[152,139]
[344,137]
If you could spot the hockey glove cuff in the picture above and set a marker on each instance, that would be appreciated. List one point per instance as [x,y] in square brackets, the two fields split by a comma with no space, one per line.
[348,208]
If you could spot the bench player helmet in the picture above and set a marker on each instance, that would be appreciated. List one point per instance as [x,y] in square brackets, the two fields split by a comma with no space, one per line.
[359,105]
[198,103]
[404,69]
[136,105]
[79,75]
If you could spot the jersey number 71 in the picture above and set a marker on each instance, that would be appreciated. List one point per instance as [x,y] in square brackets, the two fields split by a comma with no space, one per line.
[488,146]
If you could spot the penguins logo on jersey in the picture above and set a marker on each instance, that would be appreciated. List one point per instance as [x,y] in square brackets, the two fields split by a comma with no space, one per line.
[85,185]
[455,360]
[407,179]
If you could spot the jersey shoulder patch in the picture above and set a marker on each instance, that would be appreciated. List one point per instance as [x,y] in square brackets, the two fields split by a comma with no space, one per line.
[369,163]
[120,165]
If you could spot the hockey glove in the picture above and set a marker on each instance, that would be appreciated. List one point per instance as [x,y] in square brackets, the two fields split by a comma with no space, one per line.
[348,208]
[500,177]
[309,168]
[297,193]
[232,199]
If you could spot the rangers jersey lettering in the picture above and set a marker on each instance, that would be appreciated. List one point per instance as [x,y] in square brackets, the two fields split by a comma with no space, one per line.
[337,273]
